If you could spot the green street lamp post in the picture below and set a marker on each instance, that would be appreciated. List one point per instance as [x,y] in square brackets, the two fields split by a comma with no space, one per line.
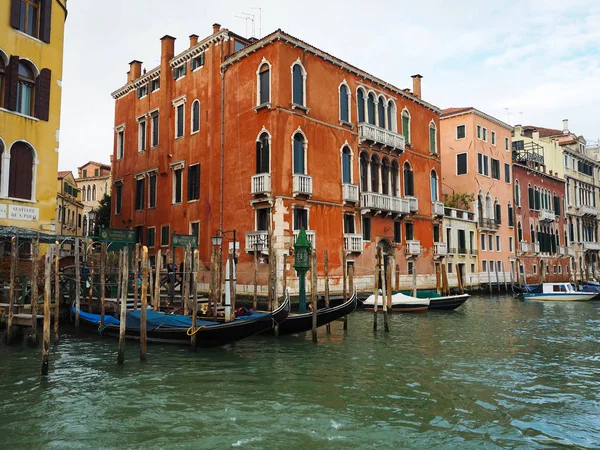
[302,250]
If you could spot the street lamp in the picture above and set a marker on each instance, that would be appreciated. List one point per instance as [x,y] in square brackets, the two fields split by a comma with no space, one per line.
[258,246]
[302,249]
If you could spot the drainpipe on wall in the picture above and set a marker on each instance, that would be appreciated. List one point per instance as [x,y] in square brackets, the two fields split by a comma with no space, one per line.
[222,144]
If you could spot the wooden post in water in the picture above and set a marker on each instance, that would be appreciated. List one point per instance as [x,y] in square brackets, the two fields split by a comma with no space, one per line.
[504,277]
[269,278]
[195,299]
[326,261]
[313,295]
[387,305]
[444,280]
[489,277]
[274,280]
[123,317]
[185,280]
[217,288]
[11,300]
[437,278]
[144,305]
[344,284]
[459,279]
[376,289]
[56,290]
[150,283]
[91,290]
[136,273]
[255,299]
[35,259]
[397,278]
[497,278]
[351,285]
[102,284]
[157,281]
[77,285]
[232,277]
[414,278]
[47,294]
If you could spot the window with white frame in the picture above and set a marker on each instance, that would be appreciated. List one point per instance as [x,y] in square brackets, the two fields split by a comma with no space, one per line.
[155,85]
[177,183]
[510,244]
[139,192]
[498,248]
[349,224]
[406,125]
[179,71]
[484,134]
[195,116]
[179,106]
[120,142]
[360,104]
[299,154]
[263,83]
[193,182]
[151,236]
[298,84]
[152,179]
[344,102]
[506,144]
[461,164]
[300,219]
[142,134]
[432,138]
[197,62]
[461,132]
[142,91]
[483,241]
[478,131]
[154,128]
[493,138]
[346,165]
[118,197]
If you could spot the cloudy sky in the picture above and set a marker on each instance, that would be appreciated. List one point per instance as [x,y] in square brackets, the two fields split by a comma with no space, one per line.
[527,61]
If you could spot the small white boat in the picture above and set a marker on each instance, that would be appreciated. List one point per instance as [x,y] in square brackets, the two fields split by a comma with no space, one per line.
[558,292]
[400,303]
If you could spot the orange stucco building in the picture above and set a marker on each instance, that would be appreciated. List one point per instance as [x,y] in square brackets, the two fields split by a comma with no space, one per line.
[476,149]
[276,134]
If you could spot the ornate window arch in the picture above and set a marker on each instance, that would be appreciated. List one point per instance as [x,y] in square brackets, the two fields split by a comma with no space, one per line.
[3,66]
[94,193]
[395,178]
[433,185]
[195,116]
[347,156]
[375,167]
[263,151]
[298,84]
[263,83]
[433,147]
[371,108]
[391,116]
[406,125]
[381,111]
[385,176]
[345,96]
[409,185]
[299,151]
[364,172]
[360,104]
[517,193]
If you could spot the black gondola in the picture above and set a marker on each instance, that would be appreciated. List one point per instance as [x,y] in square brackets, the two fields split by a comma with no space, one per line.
[163,328]
[300,323]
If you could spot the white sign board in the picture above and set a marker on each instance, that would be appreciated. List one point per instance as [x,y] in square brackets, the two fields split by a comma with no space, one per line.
[18,212]
[3,211]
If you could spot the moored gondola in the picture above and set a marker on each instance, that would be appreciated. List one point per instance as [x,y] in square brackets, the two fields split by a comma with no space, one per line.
[176,329]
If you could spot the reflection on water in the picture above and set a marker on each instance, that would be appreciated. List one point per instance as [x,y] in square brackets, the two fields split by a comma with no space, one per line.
[496,373]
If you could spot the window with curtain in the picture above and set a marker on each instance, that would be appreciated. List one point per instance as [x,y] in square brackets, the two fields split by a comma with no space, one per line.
[264,84]
[298,85]
[434,186]
[25,89]
[195,116]
[346,166]
[360,103]
[371,108]
[299,154]
[344,104]
[262,154]
[408,181]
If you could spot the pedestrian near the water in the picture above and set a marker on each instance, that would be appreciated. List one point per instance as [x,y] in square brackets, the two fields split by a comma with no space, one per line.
[171,270]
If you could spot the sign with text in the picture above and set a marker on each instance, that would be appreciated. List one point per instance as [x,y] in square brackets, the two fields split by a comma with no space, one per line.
[18,212]
[3,210]
[182,240]
[117,235]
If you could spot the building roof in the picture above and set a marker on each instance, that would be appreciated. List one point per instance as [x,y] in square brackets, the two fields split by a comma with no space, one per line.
[450,111]
[99,177]
[456,111]
[544,132]
[107,166]
[63,173]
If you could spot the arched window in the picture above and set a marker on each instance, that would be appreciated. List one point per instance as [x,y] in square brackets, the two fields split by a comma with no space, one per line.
[299,156]
[364,172]
[360,103]
[83,196]
[391,113]
[433,181]
[394,178]
[480,209]
[298,85]
[381,111]
[2,150]
[344,103]
[374,173]
[497,213]
[20,179]
[94,193]
[531,233]
[264,83]
[371,108]
[2,77]
[89,193]
[385,177]
[409,188]
[489,207]
[25,88]
[195,116]
[262,153]
[406,125]
[432,138]
[519,232]
[346,165]
[85,227]
[517,193]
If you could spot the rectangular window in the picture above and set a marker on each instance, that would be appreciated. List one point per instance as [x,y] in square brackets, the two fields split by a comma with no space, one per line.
[197,61]
[120,144]
[194,182]
[84,173]
[179,120]
[484,134]
[436,233]
[79,221]
[155,85]
[139,234]
[152,190]
[150,236]
[471,241]
[154,131]
[486,171]
[96,172]
[398,231]
[507,172]
[479,163]
[490,243]
[179,71]
[410,231]
[366,228]
[478,131]
[567,161]
[462,242]
[300,219]
[506,144]
[449,265]
[411,267]
[461,164]
[482,242]
[262,219]
[263,80]
[535,269]
[461,132]
[165,235]
[142,135]
[118,197]
[195,230]
[142,91]
[510,244]
[472,268]
[495,169]
[139,194]
[484,266]
[432,140]
[177,182]
[498,248]
[348,224]
[491,264]
[493,138]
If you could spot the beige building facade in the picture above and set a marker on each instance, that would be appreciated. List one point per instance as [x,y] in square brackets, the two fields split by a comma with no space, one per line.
[69,208]
[94,180]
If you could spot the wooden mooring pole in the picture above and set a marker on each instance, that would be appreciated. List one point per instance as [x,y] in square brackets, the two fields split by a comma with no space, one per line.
[376,289]
[77,285]
[136,261]
[351,285]
[387,298]
[11,301]
[144,306]
[459,279]
[102,284]
[185,280]
[414,278]
[344,284]
[313,295]
[497,277]
[397,278]
[195,300]
[326,262]
[124,268]
[255,299]
[91,290]
[157,281]
[437,278]
[35,260]
[47,294]
[56,290]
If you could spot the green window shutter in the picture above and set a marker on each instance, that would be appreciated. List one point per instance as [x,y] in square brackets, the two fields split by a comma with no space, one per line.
[405,125]
[432,140]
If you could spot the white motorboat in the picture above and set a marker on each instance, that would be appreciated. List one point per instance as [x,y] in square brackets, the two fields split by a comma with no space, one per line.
[558,292]
[400,303]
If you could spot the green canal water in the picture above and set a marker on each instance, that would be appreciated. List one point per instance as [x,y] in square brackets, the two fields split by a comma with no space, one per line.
[497,373]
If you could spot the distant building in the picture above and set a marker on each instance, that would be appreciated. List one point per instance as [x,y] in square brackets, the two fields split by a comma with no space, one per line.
[476,150]
[69,208]
[459,236]
[94,180]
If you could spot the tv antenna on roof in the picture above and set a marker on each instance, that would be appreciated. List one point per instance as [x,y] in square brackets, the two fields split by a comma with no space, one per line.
[508,114]
[259,20]
[247,19]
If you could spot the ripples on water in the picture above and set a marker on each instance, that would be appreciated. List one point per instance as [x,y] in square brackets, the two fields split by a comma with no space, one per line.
[497,373]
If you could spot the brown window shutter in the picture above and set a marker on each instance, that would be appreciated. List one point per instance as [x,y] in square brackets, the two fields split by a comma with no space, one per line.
[10,88]
[42,95]
[21,171]
[15,8]
[45,19]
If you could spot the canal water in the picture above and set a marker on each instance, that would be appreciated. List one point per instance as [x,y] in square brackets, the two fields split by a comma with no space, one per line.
[497,373]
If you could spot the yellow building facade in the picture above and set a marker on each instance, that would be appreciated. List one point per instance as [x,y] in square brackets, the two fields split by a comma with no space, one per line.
[31,63]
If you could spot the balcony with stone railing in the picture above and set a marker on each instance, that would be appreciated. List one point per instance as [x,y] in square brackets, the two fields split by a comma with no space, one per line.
[562,250]
[350,192]
[524,247]
[440,249]
[353,242]
[310,235]
[302,184]
[488,224]
[413,248]
[587,210]
[591,246]
[384,203]
[261,184]
[256,237]
[547,215]
[570,251]
[386,138]
[437,208]
[535,248]
[413,204]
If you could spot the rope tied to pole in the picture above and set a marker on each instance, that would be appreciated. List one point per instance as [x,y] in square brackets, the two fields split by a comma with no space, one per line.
[191,333]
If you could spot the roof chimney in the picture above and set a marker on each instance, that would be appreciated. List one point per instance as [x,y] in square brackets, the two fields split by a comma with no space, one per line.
[193,40]
[167,49]
[216,28]
[135,69]
[565,126]
[417,85]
